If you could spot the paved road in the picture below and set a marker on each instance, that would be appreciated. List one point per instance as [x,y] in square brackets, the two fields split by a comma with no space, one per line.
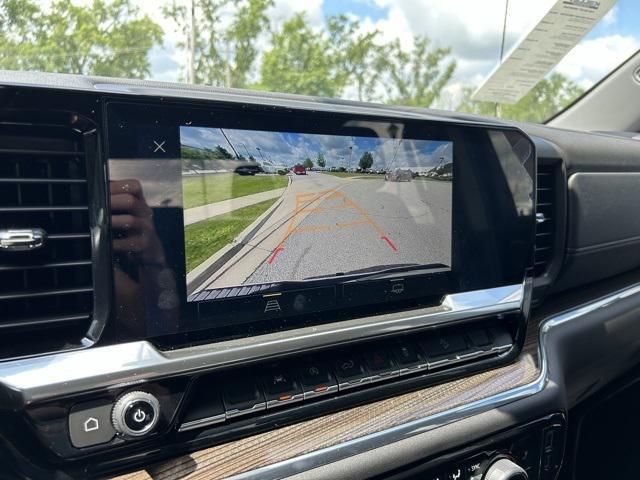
[327,224]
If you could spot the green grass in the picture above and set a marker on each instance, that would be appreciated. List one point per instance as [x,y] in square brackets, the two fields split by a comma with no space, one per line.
[357,174]
[215,187]
[205,238]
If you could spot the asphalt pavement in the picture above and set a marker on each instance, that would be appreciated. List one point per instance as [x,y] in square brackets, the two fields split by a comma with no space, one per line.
[326,225]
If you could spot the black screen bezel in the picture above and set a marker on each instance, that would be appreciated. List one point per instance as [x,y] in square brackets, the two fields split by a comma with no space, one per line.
[490,246]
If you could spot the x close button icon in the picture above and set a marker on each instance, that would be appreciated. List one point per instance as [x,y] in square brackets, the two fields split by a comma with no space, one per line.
[159,147]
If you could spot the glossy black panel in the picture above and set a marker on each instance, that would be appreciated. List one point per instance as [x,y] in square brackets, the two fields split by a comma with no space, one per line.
[492,225]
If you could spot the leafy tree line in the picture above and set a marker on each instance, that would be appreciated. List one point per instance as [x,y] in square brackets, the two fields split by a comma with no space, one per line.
[107,38]
[548,97]
[236,46]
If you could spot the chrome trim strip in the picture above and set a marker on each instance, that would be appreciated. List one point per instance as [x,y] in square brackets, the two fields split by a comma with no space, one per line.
[347,384]
[22,240]
[362,444]
[202,422]
[68,373]
[313,394]
[271,404]
[258,407]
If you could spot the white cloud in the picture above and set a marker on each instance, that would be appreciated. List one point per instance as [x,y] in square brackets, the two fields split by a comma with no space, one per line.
[471,28]
[611,17]
[283,9]
[592,59]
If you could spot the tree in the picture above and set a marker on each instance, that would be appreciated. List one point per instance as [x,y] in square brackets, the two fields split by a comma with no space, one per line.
[299,61]
[221,153]
[356,54]
[320,161]
[308,163]
[415,78]
[224,55]
[108,37]
[366,161]
[548,97]
[305,60]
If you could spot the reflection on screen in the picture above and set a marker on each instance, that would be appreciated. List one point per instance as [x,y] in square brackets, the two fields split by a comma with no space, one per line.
[263,207]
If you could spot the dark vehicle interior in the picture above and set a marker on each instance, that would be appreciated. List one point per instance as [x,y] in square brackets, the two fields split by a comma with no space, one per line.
[475,319]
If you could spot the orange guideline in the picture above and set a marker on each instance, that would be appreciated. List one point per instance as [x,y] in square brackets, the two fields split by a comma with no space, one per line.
[306,199]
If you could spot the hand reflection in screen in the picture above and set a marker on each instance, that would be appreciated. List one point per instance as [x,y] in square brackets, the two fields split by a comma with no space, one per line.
[145,285]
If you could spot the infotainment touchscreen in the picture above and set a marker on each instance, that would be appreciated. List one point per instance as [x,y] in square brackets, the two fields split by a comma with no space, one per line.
[273,206]
[242,220]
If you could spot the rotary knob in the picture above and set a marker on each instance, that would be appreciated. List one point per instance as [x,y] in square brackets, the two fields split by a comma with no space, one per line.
[505,469]
[135,414]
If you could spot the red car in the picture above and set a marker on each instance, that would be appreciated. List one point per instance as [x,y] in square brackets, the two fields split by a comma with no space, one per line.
[299,170]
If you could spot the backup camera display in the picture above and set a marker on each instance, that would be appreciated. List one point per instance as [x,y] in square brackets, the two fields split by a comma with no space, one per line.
[265,207]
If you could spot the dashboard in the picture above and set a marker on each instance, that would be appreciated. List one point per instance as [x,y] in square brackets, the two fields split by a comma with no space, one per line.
[238,284]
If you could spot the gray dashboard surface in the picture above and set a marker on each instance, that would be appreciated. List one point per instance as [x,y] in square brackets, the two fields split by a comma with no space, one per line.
[602,195]
[605,210]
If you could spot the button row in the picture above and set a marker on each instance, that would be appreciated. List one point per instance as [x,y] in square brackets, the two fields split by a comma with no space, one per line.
[217,398]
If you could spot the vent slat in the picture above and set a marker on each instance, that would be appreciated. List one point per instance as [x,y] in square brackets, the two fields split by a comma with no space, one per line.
[44,153]
[47,291]
[545,193]
[67,236]
[45,208]
[43,321]
[77,263]
[43,180]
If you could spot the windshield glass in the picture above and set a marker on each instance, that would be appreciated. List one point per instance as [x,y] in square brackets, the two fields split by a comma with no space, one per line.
[426,53]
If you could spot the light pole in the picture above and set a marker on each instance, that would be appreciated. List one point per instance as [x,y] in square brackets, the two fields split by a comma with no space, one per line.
[230,144]
[260,152]
[246,150]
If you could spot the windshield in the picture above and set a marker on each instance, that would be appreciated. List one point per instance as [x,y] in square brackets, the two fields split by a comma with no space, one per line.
[425,53]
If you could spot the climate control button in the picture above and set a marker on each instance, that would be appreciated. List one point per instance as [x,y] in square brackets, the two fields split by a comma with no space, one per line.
[135,414]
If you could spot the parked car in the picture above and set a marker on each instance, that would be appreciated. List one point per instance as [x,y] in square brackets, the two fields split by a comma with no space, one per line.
[299,170]
[249,170]
[399,175]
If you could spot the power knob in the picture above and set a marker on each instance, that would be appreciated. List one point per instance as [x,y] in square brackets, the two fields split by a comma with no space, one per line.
[135,414]
[505,469]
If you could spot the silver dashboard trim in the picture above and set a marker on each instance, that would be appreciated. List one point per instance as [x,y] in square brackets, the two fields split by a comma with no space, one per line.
[202,422]
[47,377]
[385,437]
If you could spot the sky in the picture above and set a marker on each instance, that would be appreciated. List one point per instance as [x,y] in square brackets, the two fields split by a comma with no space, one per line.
[471,28]
[288,149]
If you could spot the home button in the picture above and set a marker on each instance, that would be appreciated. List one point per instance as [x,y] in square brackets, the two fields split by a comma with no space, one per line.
[90,423]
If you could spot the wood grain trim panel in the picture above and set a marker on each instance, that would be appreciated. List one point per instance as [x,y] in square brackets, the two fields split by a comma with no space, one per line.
[278,445]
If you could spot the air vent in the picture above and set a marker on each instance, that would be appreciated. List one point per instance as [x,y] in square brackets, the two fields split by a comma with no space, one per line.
[46,292]
[545,218]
